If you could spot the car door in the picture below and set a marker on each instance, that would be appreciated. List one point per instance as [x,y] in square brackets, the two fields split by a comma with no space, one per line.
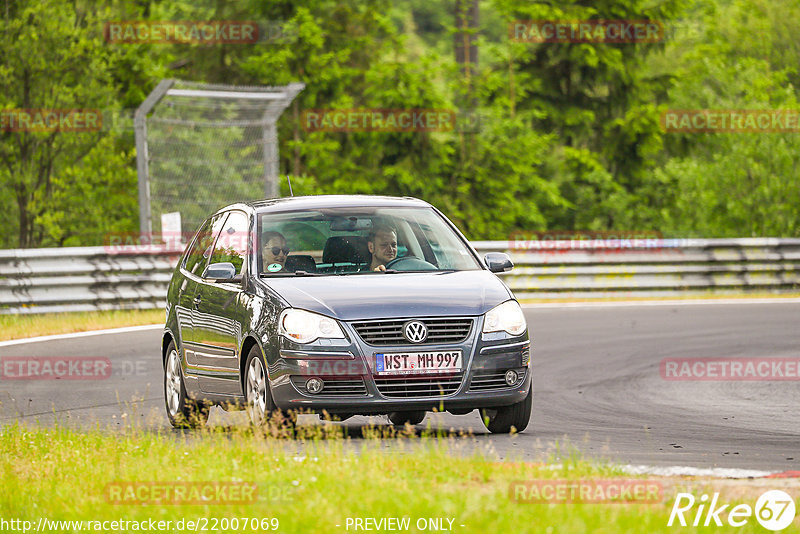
[218,315]
[193,265]
[189,294]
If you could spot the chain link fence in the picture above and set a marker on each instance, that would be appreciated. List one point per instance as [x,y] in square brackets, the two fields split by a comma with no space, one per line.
[202,146]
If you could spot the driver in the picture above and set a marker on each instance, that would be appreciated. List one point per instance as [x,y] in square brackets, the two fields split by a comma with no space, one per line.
[382,244]
[274,251]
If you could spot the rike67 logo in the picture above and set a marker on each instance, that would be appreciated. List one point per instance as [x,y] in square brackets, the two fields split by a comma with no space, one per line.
[774,510]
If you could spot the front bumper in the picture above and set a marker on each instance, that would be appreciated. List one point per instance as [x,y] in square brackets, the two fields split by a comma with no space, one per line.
[352,386]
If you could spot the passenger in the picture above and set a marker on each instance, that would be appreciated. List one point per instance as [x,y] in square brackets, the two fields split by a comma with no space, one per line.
[382,244]
[274,251]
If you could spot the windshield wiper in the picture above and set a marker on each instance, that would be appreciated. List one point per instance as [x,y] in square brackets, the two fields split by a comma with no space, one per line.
[295,273]
[417,271]
[307,273]
[350,273]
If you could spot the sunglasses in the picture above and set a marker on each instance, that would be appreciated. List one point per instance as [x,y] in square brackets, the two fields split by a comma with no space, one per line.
[277,250]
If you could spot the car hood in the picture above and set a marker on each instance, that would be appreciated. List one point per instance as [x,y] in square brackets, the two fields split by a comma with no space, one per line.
[371,296]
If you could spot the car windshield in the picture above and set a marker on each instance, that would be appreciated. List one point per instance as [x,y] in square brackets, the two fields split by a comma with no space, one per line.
[359,240]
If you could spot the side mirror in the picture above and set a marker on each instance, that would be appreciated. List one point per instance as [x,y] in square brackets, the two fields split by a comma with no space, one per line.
[223,271]
[498,262]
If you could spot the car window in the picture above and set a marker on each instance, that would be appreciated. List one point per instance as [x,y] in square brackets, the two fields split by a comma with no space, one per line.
[306,235]
[200,251]
[231,245]
[447,252]
[359,240]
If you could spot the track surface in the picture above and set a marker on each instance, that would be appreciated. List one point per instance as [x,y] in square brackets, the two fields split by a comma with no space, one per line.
[596,379]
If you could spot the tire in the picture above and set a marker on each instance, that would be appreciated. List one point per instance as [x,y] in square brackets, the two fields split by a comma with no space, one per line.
[501,420]
[258,398]
[182,411]
[413,417]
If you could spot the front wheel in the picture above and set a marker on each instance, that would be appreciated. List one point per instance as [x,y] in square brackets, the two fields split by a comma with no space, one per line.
[182,411]
[501,420]
[260,405]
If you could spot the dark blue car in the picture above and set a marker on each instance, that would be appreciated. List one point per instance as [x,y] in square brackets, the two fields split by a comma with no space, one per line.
[347,304]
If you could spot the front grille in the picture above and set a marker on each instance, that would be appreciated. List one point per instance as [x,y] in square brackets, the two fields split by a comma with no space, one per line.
[404,387]
[390,332]
[338,387]
[483,381]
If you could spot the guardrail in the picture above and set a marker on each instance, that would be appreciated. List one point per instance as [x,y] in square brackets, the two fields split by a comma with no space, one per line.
[96,278]
[83,279]
[652,267]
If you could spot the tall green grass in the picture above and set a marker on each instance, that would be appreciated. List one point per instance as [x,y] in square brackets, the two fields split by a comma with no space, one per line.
[311,481]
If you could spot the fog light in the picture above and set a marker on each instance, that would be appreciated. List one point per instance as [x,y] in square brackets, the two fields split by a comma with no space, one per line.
[511,377]
[526,357]
[314,385]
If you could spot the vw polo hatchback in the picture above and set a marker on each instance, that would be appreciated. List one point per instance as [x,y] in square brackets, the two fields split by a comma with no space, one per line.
[344,304]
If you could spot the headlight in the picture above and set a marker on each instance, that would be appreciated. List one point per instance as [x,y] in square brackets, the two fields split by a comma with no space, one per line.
[304,327]
[507,317]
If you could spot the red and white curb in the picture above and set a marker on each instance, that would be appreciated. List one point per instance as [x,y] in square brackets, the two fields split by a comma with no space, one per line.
[714,472]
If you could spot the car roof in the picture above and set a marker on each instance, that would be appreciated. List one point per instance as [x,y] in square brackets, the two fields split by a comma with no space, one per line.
[330,201]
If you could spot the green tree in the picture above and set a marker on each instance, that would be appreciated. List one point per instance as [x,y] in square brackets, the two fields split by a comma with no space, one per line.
[733,184]
[56,182]
[598,101]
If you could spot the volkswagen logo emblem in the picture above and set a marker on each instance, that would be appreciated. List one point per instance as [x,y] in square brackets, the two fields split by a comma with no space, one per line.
[415,331]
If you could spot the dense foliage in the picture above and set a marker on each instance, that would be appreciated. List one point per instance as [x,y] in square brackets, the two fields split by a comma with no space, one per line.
[564,136]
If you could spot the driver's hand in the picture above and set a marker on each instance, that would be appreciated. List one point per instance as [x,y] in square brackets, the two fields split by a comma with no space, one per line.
[380,268]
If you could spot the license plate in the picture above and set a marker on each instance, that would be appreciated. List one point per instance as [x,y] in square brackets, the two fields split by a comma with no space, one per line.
[407,363]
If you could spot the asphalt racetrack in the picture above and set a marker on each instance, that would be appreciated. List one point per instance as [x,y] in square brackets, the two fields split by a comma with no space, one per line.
[598,388]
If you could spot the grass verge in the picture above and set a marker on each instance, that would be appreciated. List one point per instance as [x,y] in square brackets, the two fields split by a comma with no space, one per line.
[19,326]
[64,475]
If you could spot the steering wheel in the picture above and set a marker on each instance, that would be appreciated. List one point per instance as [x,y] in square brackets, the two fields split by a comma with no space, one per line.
[410,263]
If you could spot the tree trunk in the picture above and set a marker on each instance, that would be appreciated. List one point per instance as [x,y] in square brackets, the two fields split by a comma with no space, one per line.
[296,160]
[22,207]
[466,48]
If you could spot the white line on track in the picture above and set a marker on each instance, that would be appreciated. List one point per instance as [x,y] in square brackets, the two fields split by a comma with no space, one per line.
[55,337]
[635,303]
[678,470]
